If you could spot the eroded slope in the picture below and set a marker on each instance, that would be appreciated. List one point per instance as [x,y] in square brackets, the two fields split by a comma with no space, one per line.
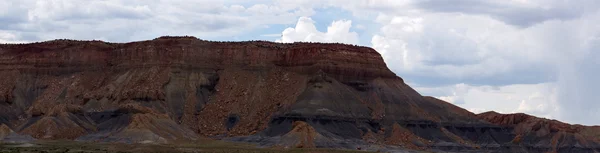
[291,95]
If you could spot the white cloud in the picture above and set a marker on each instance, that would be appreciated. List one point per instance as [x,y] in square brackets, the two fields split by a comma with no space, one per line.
[305,31]
[72,9]
[519,13]
[462,47]
[119,21]
[7,37]
[458,93]
[454,46]
[535,99]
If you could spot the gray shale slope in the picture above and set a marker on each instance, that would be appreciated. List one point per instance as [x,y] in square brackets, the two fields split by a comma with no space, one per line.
[303,95]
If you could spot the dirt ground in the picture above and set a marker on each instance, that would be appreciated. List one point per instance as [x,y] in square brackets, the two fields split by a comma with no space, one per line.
[184,147]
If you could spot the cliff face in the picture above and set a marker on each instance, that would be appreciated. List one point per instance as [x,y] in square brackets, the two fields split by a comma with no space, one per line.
[182,88]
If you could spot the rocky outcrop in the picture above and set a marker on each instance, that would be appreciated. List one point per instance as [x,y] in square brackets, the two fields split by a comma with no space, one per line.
[273,94]
[551,135]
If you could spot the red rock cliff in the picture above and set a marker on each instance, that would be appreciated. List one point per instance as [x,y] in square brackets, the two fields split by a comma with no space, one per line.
[343,61]
[181,88]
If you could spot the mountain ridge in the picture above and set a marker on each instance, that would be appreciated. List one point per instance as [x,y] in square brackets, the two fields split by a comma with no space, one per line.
[272,94]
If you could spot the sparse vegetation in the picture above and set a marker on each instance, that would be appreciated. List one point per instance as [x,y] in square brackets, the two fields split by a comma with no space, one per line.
[213,146]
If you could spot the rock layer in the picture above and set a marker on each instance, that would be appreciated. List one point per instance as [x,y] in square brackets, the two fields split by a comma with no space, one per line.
[291,95]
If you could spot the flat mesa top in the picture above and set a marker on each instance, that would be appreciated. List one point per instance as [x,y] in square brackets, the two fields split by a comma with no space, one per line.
[189,40]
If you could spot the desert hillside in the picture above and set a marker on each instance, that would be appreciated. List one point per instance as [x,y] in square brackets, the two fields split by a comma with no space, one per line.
[304,95]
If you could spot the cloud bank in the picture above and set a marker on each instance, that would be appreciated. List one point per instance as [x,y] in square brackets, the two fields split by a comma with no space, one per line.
[305,31]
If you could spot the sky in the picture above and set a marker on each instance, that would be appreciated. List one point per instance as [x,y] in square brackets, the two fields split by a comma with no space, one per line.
[531,56]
